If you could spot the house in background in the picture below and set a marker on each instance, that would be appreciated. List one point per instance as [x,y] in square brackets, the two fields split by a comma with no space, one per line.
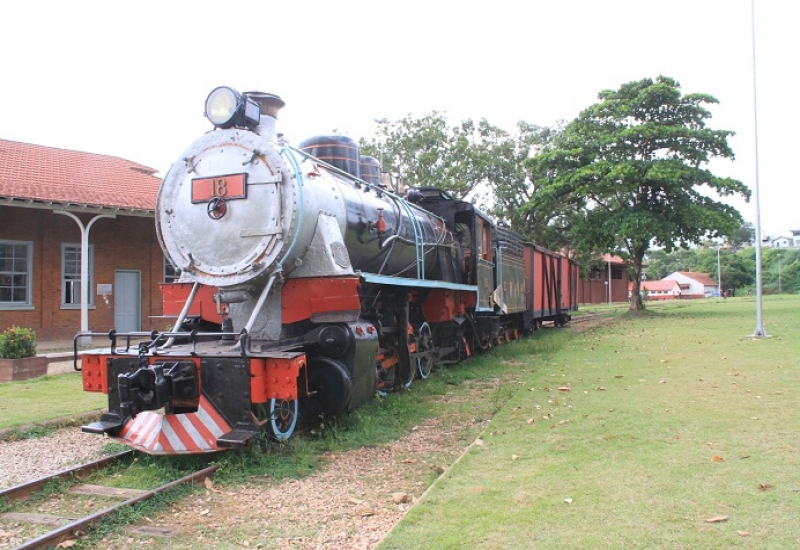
[665,289]
[781,242]
[611,275]
[50,198]
[694,284]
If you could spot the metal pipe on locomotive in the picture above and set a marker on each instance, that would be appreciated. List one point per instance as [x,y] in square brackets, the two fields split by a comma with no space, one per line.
[322,286]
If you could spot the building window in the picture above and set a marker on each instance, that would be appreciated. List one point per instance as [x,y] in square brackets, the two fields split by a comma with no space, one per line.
[71,275]
[171,274]
[16,267]
[616,273]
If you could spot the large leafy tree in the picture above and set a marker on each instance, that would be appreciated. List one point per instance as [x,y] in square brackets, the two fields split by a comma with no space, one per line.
[519,175]
[428,152]
[635,165]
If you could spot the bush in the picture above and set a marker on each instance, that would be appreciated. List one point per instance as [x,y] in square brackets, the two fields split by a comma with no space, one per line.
[16,343]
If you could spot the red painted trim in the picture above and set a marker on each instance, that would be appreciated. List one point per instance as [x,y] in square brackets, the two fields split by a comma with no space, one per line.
[302,298]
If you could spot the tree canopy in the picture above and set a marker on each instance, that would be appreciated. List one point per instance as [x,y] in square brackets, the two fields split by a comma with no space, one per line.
[427,152]
[633,169]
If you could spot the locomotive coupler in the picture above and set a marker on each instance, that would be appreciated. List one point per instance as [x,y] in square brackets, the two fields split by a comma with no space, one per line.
[153,387]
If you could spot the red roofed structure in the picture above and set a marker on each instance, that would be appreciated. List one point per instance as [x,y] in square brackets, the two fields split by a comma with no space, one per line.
[605,284]
[51,201]
[695,284]
[665,289]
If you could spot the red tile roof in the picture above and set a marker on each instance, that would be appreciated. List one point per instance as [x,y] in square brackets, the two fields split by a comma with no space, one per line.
[702,278]
[662,285]
[46,174]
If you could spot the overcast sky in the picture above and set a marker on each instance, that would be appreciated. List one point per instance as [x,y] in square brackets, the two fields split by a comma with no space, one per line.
[129,79]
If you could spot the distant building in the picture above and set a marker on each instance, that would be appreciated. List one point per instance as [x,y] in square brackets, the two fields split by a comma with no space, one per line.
[665,289]
[781,242]
[607,283]
[694,285]
[796,237]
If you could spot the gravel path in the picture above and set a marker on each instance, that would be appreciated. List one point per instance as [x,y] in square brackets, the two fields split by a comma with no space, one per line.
[27,459]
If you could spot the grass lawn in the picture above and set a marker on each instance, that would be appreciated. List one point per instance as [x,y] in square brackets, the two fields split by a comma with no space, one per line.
[46,398]
[670,430]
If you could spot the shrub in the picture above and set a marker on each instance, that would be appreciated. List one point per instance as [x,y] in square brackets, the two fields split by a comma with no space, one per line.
[16,343]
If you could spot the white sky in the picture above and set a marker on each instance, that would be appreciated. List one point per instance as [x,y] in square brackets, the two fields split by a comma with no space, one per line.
[129,79]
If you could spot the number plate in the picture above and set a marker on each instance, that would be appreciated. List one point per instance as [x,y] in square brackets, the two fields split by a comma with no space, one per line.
[232,186]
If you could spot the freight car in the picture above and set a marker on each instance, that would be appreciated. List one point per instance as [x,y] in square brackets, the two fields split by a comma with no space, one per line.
[306,287]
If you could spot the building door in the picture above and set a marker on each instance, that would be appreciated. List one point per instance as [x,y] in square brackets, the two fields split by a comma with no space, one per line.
[127,301]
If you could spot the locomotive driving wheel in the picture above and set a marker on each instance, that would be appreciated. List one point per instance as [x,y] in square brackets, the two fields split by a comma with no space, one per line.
[424,344]
[282,418]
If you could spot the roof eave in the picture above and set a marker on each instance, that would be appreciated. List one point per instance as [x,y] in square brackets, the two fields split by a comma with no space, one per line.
[41,204]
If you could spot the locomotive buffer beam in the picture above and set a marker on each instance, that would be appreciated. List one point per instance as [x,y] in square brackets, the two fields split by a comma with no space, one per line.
[147,389]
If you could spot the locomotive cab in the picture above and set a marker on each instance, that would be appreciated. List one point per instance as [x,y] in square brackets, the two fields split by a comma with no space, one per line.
[473,231]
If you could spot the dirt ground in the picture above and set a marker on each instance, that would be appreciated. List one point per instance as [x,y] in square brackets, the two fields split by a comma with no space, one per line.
[352,502]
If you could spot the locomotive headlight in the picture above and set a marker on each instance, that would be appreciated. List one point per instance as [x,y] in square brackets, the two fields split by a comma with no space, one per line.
[225,107]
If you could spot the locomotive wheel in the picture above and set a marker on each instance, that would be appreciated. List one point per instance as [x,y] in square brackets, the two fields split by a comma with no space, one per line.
[282,418]
[400,374]
[424,343]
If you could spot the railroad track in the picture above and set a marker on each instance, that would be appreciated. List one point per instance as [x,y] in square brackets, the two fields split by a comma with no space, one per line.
[65,527]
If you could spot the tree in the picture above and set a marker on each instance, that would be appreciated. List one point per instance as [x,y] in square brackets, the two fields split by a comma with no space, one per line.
[742,236]
[518,176]
[426,152]
[634,165]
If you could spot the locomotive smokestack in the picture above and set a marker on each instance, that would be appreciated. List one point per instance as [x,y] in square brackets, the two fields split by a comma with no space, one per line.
[269,105]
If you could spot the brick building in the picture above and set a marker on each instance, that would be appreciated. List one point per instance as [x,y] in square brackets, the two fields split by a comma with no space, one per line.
[50,198]
[608,283]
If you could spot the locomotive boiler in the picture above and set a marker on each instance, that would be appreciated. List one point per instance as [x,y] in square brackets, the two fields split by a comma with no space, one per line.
[321,287]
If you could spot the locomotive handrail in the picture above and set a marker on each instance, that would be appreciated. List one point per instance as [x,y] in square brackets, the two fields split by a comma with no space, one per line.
[419,245]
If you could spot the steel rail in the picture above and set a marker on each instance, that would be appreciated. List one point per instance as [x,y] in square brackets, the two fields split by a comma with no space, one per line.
[72,529]
[24,490]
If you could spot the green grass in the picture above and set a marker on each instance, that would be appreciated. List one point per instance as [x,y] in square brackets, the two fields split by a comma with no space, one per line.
[670,419]
[651,401]
[46,398]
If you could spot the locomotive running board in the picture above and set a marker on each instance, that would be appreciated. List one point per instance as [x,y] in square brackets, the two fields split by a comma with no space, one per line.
[102,426]
[238,437]
[374,278]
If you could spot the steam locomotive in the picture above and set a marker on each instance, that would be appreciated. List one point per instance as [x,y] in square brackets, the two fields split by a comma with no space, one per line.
[306,287]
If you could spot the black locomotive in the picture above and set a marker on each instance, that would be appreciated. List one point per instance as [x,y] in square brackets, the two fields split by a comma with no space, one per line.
[306,286]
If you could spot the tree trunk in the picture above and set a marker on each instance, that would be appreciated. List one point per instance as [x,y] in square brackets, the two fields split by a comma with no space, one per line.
[637,304]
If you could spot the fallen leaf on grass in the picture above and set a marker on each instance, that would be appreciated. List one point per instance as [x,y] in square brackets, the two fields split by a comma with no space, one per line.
[531,421]
[717,458]
[743,533]
[764,486]
[514,457]
[563,388]
[355,501]
[410,461]
[568,500]
[601,388]
[479,442]
[717,519]
[67,544]
[399,498]
[208,483]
